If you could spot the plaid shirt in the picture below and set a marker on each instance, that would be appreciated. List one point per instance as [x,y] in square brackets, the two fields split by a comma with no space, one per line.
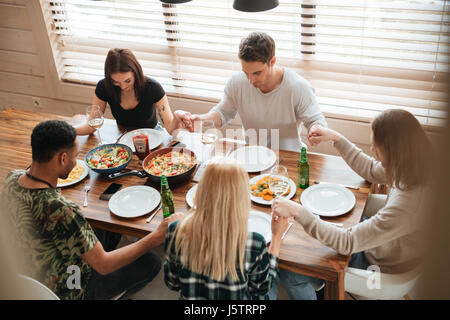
[260,270]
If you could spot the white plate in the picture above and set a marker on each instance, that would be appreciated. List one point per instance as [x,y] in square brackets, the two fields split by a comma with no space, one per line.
[327,199]
[134,201]
[255,158]
[155,138]
[260,222]
[82,176]
[190,196]
[261,200]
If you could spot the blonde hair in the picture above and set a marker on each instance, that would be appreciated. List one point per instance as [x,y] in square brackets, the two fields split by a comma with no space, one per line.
[211,238]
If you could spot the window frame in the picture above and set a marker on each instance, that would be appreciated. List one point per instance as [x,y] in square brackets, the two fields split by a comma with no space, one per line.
[72,90]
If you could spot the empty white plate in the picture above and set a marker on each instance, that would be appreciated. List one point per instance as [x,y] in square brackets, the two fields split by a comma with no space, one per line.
[134,201]
[254,158]
[155,138]
[327,199]
[260,222]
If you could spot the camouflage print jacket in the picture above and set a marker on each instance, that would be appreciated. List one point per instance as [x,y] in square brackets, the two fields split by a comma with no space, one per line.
[50,234]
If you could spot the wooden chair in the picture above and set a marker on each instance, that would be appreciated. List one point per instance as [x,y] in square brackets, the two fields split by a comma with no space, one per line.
[378,188]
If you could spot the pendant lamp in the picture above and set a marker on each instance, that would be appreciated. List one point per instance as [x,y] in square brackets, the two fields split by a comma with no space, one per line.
[174,1]
[254,5]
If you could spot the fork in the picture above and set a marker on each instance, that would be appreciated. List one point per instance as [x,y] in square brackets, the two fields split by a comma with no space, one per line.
[120,136]
[287,229]
[154,213]
[87,187]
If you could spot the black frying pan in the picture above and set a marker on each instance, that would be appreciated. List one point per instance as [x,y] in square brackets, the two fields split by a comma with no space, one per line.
[176,179]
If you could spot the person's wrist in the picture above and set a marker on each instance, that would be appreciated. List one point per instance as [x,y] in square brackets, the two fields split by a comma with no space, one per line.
[275,245]
[294,213]
[336,137]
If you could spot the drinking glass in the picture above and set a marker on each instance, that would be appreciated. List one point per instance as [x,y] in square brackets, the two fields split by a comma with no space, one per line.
[279,180]
[95,119]
[208,132]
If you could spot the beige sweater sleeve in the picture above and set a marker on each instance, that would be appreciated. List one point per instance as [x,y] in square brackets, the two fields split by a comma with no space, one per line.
[367,167]
[391,222]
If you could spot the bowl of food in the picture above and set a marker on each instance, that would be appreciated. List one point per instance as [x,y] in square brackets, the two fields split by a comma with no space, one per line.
[109,158]
[177,164]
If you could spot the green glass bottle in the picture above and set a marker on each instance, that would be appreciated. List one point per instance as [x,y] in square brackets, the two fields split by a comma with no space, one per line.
[303,170]
[166,198]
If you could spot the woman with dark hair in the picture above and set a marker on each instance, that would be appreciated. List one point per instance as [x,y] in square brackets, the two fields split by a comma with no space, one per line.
[135,100]
[388,237]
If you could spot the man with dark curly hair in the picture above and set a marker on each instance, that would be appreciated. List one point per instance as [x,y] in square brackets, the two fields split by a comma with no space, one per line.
[54,241]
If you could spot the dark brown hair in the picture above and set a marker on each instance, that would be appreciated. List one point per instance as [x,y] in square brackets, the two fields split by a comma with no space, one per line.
[50,137]
[123,60]
[257,46]
[406,150]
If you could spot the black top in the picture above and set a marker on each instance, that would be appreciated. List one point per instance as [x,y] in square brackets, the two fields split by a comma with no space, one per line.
[144,114]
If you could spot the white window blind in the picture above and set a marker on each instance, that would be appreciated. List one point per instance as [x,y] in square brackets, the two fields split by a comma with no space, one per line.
[361,56]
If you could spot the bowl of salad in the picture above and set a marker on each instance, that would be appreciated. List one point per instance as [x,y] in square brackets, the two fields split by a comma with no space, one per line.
[109,158]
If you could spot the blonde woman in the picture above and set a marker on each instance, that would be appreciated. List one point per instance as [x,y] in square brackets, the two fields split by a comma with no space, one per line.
[210,253]
[388,238]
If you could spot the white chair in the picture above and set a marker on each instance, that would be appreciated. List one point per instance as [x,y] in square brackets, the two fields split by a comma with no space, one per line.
[370,285]
[381,286]
[32,289]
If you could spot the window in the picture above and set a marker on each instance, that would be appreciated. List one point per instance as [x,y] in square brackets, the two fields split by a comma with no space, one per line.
[361,56]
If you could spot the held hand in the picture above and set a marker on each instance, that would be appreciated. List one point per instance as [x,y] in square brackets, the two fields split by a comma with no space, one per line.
[174,217]
[159,235]
[318,134]
[279,225]
[185,119]
[283,207]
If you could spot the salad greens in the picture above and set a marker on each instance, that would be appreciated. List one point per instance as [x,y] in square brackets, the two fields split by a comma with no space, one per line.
[108,158]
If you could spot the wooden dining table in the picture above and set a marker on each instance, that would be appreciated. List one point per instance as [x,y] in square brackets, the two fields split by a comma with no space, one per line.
[299,252]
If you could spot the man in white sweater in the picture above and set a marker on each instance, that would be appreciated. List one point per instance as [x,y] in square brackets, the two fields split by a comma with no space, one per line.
[265,96]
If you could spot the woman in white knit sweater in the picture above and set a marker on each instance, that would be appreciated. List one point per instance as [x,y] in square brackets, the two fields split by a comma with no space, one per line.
[389,239]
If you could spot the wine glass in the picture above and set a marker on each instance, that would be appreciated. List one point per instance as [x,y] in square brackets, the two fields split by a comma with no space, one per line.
[95,119]
[208,134]
[279,180]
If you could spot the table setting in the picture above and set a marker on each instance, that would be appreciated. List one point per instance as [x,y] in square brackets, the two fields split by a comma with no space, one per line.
[267,178]
[299,252]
